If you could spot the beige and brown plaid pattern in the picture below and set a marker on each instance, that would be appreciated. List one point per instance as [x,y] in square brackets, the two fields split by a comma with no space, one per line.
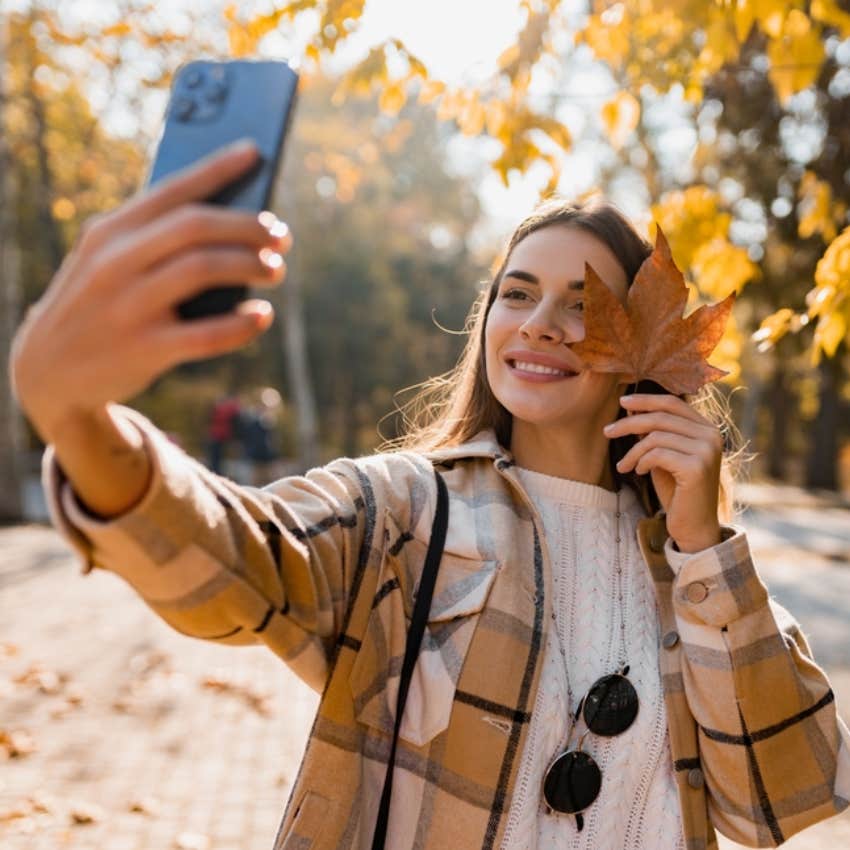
[323,568]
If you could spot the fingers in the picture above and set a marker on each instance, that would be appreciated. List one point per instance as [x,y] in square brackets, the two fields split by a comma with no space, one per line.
[198,182]
[661,402]
[194,225]
[644,423]
[190,272]
[673,452]
[203,338]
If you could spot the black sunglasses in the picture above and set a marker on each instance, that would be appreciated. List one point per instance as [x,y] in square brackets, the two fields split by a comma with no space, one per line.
[573,780]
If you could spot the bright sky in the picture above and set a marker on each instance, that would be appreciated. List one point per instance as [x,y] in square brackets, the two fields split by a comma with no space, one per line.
[460,41]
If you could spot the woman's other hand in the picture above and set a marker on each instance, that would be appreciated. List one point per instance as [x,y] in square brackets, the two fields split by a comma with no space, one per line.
[682,451]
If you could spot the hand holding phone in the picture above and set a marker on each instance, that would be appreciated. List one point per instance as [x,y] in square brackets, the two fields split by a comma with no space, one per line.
[213,104]
[106,329]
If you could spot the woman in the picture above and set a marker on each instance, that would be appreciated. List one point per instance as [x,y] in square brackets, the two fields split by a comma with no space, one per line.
[578,559]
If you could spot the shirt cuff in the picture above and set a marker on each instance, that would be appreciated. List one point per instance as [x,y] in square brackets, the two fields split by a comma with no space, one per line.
[69,515]
[717,585]
[678,559]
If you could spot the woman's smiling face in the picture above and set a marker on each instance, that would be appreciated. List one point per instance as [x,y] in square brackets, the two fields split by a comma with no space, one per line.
[535,318]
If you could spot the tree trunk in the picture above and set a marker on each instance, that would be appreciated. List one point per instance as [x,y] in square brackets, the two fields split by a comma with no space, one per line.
[12,467]
[44,196]
[822,465]
[749,415]
[779,407]
[298,367]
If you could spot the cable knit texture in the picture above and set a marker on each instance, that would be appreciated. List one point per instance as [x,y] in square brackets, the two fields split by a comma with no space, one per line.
[638,806]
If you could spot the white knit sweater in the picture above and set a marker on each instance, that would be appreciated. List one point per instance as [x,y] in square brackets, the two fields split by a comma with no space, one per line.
[637,807]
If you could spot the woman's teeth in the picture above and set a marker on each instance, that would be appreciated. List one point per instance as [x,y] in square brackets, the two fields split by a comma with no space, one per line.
[541,370]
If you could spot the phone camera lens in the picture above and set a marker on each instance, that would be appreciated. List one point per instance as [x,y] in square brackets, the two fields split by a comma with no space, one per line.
[192,79]
[216,92]
[183,108]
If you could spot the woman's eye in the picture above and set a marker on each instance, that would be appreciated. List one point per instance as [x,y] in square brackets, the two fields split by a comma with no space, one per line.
[515,294]
[579,305]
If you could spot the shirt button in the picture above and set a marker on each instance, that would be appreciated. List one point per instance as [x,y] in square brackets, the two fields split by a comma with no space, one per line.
[696,591]
[695,778]
[656,541]
[670,640]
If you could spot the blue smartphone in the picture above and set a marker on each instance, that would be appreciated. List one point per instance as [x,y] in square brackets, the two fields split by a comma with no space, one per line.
[211,105]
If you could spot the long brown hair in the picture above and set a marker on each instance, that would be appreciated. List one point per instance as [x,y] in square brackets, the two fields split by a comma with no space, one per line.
[450,409]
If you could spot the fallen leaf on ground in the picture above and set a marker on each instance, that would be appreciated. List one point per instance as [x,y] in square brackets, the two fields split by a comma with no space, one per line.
[145,806]
[85,813]
[26,806]
[41,804]
[47,681]
[144,663]
[20,809]
[258,700]
[72,699]
[24,826]
[8,649]
[17,743]
[649,339]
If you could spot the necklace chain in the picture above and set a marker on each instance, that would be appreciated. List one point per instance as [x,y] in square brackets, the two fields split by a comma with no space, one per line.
[618,569]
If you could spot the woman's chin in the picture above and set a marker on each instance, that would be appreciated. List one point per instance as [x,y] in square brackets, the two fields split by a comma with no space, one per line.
[538,417]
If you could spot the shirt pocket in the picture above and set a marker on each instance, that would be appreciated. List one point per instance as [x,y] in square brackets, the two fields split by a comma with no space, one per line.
[460,594]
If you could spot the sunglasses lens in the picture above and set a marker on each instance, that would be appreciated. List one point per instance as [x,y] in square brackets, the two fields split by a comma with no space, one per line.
[572,782]
[611,705]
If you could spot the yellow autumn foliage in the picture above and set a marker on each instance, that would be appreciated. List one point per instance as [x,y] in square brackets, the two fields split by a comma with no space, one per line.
[796,55]
[829,300]
[620,116]
[691,218]
[830,13]
[393,98]
[719,267]
[816,211]
[727,354]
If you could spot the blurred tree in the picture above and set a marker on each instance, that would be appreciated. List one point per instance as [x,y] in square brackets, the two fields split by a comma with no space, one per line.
[395,223]
[11,425]
[58,167]
[796,186]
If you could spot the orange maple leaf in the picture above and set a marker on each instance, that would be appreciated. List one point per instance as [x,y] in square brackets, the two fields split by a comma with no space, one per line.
[648,339]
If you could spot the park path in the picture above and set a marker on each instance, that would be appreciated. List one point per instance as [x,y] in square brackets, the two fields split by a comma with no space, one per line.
[132,737]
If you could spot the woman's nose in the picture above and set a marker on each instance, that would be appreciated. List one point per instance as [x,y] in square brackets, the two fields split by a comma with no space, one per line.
[542,324]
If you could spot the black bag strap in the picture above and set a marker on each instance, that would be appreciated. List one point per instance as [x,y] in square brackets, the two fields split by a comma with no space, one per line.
[421,608]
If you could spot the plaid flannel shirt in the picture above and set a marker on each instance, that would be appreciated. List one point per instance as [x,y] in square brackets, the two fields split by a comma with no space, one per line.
[322,568]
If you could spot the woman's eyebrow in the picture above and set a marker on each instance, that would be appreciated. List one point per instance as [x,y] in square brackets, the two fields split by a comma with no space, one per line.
[528,277]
